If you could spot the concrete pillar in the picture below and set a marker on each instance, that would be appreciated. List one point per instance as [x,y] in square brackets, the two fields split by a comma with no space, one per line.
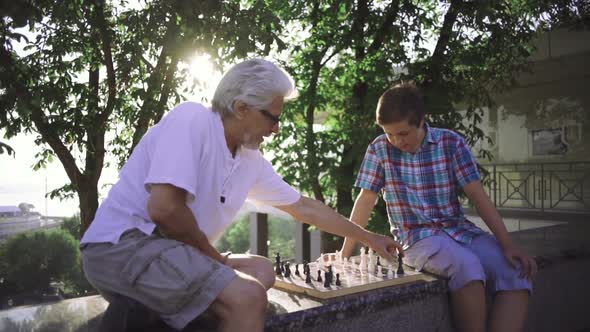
[259,234]
[302,242]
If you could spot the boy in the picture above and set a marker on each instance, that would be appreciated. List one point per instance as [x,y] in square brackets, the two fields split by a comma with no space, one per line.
[420,171]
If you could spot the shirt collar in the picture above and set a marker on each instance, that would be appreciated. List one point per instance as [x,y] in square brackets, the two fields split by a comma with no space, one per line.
[432,136]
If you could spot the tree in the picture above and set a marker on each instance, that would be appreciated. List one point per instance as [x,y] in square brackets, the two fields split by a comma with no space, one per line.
[459,52]
[95,67]
[30,261]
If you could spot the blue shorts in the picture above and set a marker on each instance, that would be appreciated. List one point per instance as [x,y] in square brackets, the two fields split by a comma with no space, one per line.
[481,260]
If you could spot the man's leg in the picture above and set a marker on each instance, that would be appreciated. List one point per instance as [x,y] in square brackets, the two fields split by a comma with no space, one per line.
[259,267]
[241,306]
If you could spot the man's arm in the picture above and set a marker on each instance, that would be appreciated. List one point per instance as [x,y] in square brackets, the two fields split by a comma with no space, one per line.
[167,208]
[315,213]
[361,212]
[487,211]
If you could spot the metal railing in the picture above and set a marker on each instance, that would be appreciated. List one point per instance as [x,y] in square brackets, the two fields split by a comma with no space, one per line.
[560,186]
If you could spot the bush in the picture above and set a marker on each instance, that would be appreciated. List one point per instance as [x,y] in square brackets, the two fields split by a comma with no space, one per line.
[72,226]
[281,236]
[31,261]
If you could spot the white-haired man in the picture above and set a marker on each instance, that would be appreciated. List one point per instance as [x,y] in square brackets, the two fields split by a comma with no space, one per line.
[181,188]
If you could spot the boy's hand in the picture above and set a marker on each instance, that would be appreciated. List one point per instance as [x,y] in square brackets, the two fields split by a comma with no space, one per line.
[515,255]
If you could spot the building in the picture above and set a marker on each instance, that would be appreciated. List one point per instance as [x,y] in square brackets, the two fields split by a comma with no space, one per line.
[539,130]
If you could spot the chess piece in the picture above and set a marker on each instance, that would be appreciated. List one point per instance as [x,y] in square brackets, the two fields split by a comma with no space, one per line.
[278,264]
[287,270]
[297,270]
[282,267]
[338,279]
[400,267]
[319,276]
[379,260]
[329,275]
[307,277]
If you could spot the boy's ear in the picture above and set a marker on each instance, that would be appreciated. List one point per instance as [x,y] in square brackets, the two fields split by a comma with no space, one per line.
[240,109]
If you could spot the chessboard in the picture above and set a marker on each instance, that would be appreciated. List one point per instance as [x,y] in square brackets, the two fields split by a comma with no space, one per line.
[332,276]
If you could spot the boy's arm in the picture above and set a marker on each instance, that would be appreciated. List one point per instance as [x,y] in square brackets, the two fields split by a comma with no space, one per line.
[361,212]
[487,211]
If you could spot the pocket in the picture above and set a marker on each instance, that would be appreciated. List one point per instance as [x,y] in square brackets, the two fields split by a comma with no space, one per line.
[420,252]
[160,274]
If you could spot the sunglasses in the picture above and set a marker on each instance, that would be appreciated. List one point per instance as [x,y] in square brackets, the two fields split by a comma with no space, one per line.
[275,119]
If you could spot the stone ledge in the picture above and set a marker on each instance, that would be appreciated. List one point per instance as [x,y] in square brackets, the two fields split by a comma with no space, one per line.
[559,300]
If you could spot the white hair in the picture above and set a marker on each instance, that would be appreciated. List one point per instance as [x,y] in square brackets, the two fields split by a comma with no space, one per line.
[256,82]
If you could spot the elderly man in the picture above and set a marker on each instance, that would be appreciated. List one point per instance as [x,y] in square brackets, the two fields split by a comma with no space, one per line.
[182,187]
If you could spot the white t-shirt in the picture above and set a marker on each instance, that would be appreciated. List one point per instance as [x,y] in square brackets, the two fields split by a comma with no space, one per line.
[187,149]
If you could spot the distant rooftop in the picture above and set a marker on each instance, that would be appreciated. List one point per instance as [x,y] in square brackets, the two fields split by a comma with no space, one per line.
[9,208]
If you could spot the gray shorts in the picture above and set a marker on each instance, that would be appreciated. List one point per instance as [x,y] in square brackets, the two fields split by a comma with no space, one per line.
[171,278]
[481,260]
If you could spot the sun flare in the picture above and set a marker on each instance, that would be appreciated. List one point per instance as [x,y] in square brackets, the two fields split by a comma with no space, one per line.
[205,77]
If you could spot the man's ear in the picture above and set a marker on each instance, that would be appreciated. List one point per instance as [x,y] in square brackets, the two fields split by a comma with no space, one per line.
[240,109]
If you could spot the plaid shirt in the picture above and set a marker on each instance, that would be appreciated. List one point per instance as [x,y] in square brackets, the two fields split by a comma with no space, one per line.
[421,190]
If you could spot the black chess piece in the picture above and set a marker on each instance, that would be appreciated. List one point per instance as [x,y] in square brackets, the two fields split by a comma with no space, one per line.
[378,260]
[282,267]
[338,279]
[307,277]
[287,270]
[278,264]
[319,275]
[400,267]
[297,270]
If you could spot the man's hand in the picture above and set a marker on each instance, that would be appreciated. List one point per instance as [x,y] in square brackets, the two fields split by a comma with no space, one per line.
[528,265]
[385,246]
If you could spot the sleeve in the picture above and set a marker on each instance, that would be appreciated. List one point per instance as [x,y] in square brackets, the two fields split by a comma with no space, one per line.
[270,188]
[370,175]
[175,151]
[464,164]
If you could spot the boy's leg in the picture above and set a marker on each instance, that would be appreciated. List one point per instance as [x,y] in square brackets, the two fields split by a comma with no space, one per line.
[469,308]
[443,256]
[511,291]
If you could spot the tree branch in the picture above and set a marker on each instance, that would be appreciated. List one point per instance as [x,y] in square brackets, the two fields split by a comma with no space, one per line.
[438,56]
[385,29]
[106,42]
[166,89]
[23,94]
[146,112]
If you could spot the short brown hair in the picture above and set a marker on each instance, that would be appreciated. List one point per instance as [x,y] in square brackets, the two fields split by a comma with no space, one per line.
[401,102]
